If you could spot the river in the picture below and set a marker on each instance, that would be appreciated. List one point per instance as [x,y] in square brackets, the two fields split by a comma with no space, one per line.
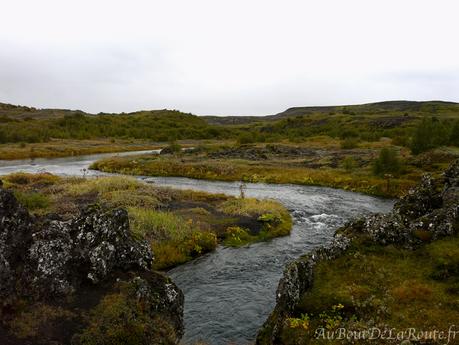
[229,293]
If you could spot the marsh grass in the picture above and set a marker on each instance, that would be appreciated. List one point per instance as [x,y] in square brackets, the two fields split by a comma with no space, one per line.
[358,180]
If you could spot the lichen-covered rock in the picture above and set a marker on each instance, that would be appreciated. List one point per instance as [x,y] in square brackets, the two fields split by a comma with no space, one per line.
[298,277]
[65,269]
[430,211]
[92,245]
[16,227]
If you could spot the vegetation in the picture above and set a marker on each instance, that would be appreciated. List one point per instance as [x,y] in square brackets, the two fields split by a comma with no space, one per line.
[179,225]
[387,162]
[320,161]
[351,147]
[122,318]
[159,125]
[405,122]
[380,286]
[67,147]
[431,133]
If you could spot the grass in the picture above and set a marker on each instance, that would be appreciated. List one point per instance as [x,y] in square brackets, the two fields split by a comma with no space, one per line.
[274,218]
[33,201]
[179,225]
[236,170]
[69,147]
[321,162]
[174,240]
[381,286]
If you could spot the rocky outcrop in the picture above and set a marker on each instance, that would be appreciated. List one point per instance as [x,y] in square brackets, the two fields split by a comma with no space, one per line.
[429,211]
[69,268]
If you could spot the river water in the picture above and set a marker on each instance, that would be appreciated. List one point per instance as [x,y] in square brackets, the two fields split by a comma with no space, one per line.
[229,293]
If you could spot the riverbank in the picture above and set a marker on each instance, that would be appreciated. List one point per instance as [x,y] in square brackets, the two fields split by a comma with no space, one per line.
[397,271]
[239,281]
[179,225]
[68,148]
[321,165]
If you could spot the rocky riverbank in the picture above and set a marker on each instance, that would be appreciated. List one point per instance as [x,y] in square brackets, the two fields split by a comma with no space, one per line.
[85,280]
[397,270]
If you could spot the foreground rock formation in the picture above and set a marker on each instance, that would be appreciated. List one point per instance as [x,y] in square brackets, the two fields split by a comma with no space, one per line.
[82,281]
[428,213]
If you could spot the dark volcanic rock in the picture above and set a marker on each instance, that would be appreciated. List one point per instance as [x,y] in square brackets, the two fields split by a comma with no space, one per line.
[429,211]
[69,267]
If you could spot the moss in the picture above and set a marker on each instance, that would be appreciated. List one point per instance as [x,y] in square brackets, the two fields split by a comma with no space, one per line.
[29,323]
[122,319]
[383,285]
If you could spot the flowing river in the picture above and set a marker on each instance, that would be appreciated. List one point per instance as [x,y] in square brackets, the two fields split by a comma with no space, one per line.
[229,293]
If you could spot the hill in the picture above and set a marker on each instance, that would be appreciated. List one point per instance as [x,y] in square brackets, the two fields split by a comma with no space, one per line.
[378,108]
[25,124]
[397,120]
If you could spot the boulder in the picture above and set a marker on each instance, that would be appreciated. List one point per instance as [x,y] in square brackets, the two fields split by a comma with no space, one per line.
[70,268]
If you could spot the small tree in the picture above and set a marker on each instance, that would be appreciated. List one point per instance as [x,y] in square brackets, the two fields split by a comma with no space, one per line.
[388,162]
[246,138]
[429,134]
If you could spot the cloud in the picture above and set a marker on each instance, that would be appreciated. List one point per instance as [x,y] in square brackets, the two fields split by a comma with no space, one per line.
[227,57]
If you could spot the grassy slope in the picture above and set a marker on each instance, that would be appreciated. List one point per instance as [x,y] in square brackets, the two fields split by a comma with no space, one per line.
[380,286]
[180,225]
[20,124]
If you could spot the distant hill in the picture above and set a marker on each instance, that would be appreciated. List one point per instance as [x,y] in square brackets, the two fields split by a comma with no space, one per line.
[395,119]
[20,112]
[378,108]
[27,124]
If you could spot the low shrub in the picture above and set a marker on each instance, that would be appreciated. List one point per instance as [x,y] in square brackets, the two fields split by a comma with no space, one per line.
[33,201]
[388,162]
[349,143]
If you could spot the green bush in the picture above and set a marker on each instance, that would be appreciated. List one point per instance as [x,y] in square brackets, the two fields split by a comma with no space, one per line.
[33,201]
[349,143]
[246,138]
[388,162]
[174,147]
[429,134]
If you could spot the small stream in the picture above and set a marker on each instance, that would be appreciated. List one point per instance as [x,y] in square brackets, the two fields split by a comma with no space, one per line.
[229,293]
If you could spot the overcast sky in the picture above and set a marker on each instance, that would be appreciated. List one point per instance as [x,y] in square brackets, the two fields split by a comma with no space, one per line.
[235,57]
